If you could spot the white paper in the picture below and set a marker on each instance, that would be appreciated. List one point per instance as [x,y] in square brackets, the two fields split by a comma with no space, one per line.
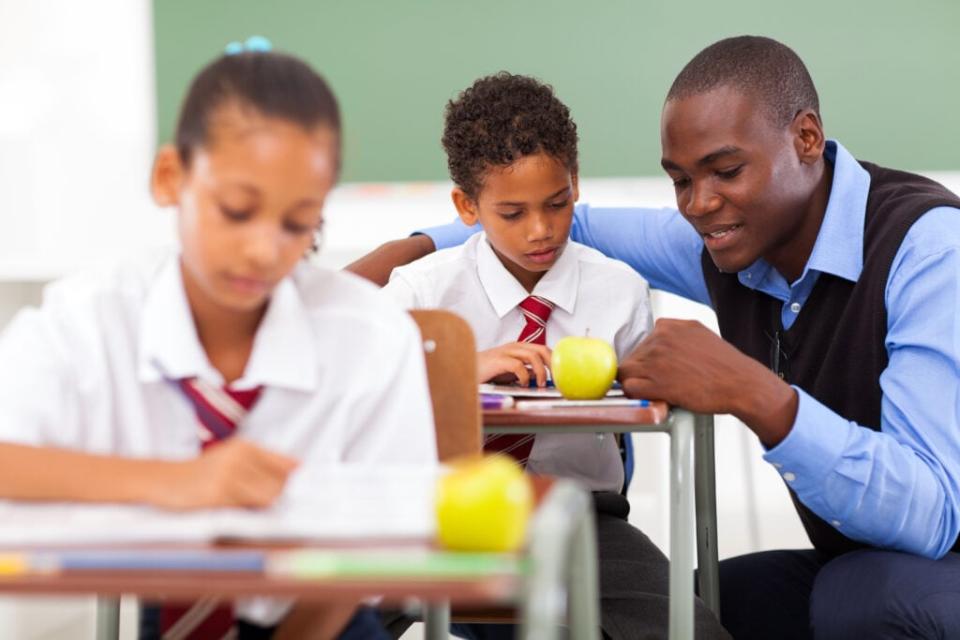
[346,502]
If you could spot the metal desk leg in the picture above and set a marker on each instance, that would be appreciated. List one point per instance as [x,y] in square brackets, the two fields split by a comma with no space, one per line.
[681,525]
[563,575]
[108,618]
[706,500]
[582,580]
[436,621]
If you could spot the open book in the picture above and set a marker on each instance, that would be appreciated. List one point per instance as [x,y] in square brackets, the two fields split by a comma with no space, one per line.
[343,502]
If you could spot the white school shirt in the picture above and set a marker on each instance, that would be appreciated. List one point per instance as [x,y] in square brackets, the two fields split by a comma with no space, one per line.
[342,369]
[592,293]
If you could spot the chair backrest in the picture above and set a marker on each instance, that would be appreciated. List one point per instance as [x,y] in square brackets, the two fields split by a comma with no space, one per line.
[451,356]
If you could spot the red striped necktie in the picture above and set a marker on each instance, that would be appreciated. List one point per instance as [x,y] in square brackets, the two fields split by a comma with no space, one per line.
[220,410]
[536,312]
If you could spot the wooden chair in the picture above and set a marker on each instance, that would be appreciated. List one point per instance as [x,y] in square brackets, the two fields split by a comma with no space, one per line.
[451,356]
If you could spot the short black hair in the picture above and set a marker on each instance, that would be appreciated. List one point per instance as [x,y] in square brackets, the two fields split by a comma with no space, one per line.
[762,67]
[274,84]
[500,119]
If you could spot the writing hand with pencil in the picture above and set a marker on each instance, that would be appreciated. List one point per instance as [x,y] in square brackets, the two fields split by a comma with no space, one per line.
[522,362]
[688,365]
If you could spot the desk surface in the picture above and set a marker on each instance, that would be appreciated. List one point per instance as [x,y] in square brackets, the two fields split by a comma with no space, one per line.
[493,587]
[655,415]
[489,589]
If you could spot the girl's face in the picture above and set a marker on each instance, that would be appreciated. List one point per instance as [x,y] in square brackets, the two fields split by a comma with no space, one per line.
[526,210]
[249,204]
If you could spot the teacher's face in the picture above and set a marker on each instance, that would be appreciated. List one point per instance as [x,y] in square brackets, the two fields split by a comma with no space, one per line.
[739,178]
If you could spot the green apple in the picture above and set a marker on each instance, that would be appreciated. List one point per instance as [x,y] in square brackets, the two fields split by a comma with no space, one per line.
[483,504]
[583,368]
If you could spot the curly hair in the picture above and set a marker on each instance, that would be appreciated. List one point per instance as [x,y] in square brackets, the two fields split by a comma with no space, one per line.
[500,119]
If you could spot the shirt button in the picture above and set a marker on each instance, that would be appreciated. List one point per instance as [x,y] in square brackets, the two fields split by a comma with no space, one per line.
[835,523]
[795,307]
[789,477]
[778,465]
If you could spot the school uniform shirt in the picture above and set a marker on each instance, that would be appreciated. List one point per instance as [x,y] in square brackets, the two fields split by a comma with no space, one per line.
[342,371]
[896,488]
[592,295]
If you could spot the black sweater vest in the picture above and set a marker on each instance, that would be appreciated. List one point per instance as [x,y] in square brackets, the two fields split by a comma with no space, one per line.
[835,348]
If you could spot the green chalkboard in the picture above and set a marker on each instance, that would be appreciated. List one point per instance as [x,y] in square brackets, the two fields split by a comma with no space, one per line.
[888,71]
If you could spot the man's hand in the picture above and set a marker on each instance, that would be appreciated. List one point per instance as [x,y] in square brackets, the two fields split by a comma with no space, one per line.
[686,364]
[514,359]
[233,473]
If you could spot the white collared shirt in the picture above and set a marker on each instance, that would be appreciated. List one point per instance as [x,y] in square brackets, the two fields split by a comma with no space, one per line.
[593,295]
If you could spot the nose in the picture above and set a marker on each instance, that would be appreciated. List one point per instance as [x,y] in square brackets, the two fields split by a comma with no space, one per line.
[261,246]
[540,227]
[703,200]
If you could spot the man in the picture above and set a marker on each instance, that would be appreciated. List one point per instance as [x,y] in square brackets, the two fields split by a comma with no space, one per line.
[837,290]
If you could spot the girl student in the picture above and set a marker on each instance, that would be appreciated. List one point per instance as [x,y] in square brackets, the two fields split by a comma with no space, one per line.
[204,377]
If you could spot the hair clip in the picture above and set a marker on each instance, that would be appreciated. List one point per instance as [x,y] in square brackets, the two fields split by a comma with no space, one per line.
[253,44]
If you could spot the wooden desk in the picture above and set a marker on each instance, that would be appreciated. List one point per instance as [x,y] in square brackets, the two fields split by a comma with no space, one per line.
[558,567]
[692,486]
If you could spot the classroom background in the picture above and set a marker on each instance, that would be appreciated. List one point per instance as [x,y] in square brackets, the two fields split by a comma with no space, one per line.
[89,89]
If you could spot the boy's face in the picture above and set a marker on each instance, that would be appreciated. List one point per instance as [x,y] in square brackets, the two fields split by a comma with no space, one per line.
[526,210]
[249,203]
[741,181]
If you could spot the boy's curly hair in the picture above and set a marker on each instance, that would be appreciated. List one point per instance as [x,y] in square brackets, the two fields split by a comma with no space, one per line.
[500,119]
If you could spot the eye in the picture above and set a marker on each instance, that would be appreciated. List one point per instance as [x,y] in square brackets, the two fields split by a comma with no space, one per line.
[510,215]
[680,183]
[560,205]
[236,215]
[730,174]
[297,228]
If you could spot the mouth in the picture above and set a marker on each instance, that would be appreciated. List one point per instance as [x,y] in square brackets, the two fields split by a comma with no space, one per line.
[543,256]
[721,236]
[246,285]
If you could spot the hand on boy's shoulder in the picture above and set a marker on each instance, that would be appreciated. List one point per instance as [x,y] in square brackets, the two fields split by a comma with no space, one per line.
[233,473]
[518,359]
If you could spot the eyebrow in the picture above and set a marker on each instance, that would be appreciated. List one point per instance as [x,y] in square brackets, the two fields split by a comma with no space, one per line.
[507,203]
[711,157]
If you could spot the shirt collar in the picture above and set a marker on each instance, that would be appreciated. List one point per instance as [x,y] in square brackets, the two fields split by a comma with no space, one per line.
[842,226]
[169,347]
[559,285]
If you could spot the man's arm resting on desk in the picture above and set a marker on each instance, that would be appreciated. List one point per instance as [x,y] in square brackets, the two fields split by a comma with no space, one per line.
[234,473]
[377,265]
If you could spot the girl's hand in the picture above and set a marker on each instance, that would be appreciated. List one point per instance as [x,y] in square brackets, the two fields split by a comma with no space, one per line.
[517,358]
[233,473]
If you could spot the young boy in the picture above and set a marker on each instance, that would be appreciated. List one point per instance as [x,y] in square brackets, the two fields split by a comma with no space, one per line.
[522,285]
[125,385]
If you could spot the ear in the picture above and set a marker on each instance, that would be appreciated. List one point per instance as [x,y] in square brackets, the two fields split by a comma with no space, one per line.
[166,179]
[466,206]
[575,183]
[808,137]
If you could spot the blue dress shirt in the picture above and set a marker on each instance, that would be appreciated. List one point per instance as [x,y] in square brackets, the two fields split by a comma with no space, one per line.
[897,488]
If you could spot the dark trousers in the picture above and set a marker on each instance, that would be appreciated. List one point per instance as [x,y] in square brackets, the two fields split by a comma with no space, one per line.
[634,584]
[365,625]
[863,595]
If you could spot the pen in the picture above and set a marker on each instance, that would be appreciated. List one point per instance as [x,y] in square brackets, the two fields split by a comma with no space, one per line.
[565,404]
[495,401]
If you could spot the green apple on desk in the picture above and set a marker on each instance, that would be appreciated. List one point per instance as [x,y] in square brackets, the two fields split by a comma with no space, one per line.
[483,504]
[583,368]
